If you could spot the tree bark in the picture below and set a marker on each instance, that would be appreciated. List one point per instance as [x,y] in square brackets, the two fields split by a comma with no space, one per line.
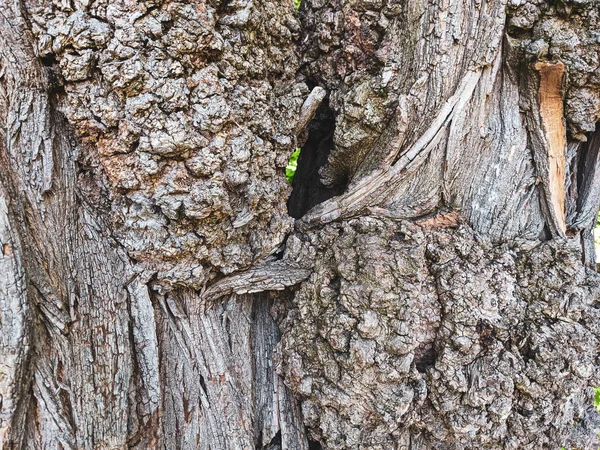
[435,290]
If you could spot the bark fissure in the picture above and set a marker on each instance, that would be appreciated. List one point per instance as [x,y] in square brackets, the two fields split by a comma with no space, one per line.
[308,188]
[145,241]
[587,194]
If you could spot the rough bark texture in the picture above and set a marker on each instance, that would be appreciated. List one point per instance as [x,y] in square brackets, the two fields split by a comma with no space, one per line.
[190,112]
[422,336]
[435,291]
[99,350]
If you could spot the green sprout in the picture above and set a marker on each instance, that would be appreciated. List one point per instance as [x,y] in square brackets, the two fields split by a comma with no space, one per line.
[297,3]
[290,170]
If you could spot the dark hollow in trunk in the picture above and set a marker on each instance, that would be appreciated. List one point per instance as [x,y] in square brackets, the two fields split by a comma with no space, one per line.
[308,190]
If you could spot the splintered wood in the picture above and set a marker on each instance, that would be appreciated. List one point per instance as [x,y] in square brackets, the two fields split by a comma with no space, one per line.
[550,99]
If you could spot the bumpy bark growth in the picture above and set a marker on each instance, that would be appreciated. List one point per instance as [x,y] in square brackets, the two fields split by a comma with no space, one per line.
[422,336]
[142,155]
[434,292]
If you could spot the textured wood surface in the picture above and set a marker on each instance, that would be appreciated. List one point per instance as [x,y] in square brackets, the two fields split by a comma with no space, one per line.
[434,291]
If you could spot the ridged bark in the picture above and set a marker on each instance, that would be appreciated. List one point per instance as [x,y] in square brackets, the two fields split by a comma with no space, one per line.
[427,283]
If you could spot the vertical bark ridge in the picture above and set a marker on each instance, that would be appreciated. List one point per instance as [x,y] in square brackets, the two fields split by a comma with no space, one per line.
[224,392]
[81,367]
[489,173]
[15,321]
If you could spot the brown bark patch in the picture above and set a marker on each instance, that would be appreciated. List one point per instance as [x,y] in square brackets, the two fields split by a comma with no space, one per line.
[550,99]
[440,220]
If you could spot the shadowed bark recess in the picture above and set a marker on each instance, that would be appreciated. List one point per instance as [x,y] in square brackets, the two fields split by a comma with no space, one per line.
[434,291]
[584,192]
[308,189]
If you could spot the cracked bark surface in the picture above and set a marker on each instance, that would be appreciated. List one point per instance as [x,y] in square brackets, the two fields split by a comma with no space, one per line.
[408,335]
[435,291]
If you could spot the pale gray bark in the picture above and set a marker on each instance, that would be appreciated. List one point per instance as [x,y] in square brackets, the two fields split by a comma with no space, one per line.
[443,300]
[96,355]
[15,322]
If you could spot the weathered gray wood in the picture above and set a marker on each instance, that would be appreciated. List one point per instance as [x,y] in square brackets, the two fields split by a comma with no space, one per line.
[585,188]
[309,107]
[15,322]
[104,360]
[223,389]
[441,301]
[79,333]
[270,276]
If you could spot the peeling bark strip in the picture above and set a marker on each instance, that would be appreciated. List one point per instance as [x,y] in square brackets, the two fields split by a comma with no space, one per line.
[273,276]
[309,107]
[551,99]
[380,187]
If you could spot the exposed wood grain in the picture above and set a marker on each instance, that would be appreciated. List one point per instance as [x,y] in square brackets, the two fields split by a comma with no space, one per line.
[224,392]
[550,98]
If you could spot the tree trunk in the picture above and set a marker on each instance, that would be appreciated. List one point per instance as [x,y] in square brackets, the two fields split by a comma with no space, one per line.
[428,283]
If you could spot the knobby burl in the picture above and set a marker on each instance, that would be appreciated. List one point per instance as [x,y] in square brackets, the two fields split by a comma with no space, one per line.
[190,114]
[422,333]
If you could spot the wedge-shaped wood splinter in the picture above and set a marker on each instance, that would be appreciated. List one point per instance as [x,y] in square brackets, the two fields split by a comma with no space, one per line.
[550,99]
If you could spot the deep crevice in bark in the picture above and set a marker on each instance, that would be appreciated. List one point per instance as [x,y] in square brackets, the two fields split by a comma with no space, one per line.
[583,193]
[314,445]
[586,169]
[49,60]
[204,388]
[425,358]
[308,190]
[273,444]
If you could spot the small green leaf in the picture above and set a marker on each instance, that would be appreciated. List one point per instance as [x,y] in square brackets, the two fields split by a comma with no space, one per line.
[297,3]
[290,170]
